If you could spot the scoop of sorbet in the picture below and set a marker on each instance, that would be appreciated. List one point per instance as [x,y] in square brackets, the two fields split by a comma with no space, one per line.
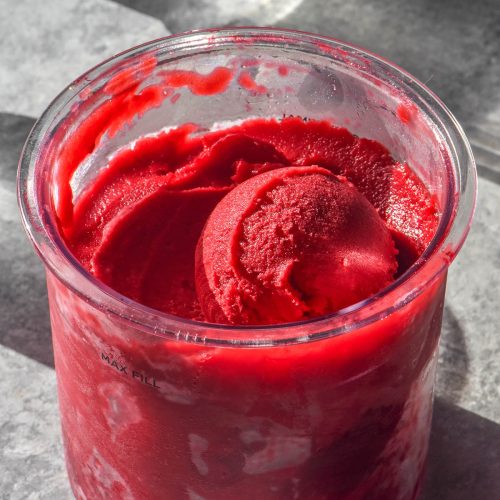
[291,244]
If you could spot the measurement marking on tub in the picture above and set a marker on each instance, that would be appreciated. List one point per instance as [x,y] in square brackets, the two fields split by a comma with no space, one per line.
[145,380]
[136,375]
[112,362]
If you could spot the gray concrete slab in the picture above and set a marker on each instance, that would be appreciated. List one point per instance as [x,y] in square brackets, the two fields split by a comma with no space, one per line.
[46,45]
[454,46]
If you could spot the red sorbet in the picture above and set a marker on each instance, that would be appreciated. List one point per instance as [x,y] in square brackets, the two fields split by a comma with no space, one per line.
[137,226]
[289,244]
[292,219]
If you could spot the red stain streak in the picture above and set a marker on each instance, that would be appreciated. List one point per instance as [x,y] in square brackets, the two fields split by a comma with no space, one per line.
[283,70]
[215,82]
[406,112]
[247,82]
[130,78]
[120,109]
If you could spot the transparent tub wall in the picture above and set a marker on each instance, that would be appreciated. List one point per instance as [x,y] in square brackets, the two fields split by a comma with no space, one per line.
[344,417]
[354,93]
[149,413]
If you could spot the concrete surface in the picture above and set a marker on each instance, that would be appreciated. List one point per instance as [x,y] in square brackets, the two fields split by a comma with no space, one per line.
[452,45]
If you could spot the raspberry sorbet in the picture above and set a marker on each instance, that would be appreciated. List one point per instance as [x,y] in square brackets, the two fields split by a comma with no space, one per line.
[246,234]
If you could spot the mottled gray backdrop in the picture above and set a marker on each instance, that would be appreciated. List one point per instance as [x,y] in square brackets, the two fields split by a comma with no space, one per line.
[452,45]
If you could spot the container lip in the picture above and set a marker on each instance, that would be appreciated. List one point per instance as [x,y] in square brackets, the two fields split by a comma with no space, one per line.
[450,236]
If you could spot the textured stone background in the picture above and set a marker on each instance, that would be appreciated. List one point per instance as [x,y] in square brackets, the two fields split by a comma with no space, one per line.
[452,45]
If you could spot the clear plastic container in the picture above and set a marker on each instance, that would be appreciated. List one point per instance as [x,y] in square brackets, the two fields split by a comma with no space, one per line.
[154,406]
